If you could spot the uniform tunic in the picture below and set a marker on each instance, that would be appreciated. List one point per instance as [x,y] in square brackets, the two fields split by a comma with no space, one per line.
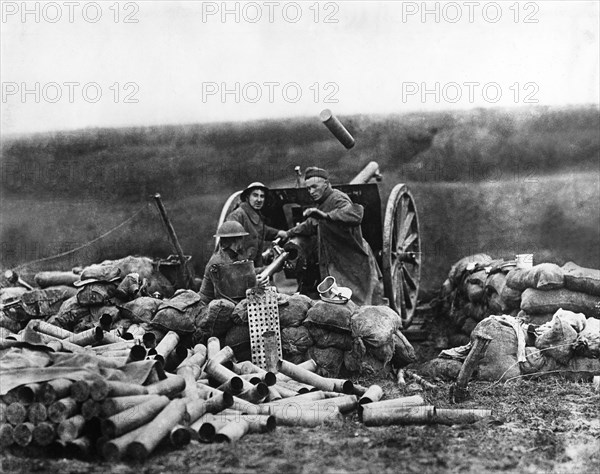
[254,223]
[343,252]
[209,289]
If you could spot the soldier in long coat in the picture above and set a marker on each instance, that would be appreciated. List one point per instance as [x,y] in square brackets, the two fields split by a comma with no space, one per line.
[249,215]
[342,251]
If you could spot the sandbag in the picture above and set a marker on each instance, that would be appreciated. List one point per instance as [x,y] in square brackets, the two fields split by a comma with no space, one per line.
[130,287]
[371,366]
[475,286]
[239,314]
[97,293]
[557,342]
[329,361]
[331,316]
[73,316]
[499,362]
[576,320]
[473,311]
[98,311]
[445,369]
[582,369]
[238,338]
[11,293]
[375,325]
[146,268]
[469,325]
[180,312]
[294,314]
[140,310]
[9,323]
[545,276]
[494,286]
[540,302]
[511,297]
[323,338]
[588,340]
[46,303]
[295,341]
[216,318]
[472,261]
[586,280]
[537,363]
[353,358]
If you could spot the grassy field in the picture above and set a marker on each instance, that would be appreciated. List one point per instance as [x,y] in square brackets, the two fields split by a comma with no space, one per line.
[484,181]
[549,426]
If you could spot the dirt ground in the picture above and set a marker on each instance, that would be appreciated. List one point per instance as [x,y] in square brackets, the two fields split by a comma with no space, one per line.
[545,426]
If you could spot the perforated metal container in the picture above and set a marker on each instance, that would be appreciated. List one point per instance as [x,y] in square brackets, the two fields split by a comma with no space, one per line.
[263,316]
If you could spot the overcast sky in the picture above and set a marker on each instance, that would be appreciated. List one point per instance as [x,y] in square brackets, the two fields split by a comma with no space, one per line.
[85,64]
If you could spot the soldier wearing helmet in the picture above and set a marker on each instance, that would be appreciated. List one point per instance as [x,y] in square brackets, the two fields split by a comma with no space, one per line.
[249,215]
[228,273]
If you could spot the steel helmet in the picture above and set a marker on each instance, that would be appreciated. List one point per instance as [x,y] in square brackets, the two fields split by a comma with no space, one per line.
[250,187]
[230,229]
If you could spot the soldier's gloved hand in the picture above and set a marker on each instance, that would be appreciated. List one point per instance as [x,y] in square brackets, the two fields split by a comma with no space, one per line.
[262,281]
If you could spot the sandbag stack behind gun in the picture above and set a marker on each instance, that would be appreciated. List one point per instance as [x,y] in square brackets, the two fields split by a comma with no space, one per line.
[282,256]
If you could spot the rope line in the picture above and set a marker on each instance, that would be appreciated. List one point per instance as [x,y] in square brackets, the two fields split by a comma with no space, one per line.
[87,244]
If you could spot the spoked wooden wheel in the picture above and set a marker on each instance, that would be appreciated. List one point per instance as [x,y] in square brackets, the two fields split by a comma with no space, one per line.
[401,259]
[232,202]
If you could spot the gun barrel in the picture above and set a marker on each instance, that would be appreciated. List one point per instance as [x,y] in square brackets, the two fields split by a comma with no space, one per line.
[275,266]
[369,172]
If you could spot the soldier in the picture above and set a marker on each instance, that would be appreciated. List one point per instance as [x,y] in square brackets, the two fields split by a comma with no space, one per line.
[342,251]
[228,273]
[249,215]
